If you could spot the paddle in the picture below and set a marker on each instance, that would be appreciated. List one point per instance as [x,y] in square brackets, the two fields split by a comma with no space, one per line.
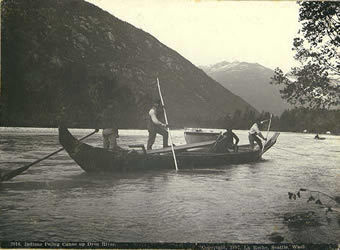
[18,171]
[167,124]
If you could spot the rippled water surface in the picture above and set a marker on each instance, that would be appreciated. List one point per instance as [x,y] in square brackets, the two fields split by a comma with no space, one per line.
[55,200]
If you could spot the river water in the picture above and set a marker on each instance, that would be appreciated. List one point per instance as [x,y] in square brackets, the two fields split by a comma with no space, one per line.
[55,200]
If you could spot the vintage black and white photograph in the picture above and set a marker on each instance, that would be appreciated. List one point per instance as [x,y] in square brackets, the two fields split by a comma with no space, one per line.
[170,123]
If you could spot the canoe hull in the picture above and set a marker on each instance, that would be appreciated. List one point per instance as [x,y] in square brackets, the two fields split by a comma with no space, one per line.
[94,160]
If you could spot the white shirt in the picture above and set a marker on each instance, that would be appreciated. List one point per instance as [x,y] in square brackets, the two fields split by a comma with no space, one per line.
[153,116]
[254,129]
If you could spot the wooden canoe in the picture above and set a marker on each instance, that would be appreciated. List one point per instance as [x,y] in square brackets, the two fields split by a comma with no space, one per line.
[95,160]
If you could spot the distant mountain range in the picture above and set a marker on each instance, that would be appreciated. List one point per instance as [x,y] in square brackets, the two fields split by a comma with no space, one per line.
[250,81]
[69,62]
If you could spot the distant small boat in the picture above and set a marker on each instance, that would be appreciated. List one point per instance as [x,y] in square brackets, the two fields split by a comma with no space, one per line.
[317,137]
[195,135]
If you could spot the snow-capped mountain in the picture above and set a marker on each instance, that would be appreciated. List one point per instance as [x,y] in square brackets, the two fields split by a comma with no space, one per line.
[250,81]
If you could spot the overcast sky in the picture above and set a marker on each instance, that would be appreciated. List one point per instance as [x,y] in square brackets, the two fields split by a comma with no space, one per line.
[207,32]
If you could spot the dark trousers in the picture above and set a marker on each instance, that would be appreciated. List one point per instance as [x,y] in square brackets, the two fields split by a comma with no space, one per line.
[253,138]
[152,136]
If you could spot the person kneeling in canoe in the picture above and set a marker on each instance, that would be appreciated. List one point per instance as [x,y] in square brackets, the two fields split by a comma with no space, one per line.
[254,134]
[229,137]
[225,142]
[155,126]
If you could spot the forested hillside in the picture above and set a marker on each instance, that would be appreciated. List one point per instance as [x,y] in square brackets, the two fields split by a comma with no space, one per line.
[69,62]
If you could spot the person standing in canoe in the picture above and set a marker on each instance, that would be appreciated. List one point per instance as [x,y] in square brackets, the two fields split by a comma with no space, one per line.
[110,130]
[110,136]
[254,134]
[155,126]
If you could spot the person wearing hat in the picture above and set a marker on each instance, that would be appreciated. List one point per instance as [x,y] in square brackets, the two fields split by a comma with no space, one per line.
[227,141]
[229,137]
[254,134]
[155,126]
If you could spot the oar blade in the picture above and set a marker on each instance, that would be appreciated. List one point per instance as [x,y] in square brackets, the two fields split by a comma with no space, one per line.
[8,176]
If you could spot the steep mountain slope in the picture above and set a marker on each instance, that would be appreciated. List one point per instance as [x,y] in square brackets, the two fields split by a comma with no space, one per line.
[251,82]
[69,62]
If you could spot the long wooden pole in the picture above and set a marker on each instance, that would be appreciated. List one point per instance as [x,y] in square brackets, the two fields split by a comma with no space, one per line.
[270,121]
[167,124]
[18,171]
